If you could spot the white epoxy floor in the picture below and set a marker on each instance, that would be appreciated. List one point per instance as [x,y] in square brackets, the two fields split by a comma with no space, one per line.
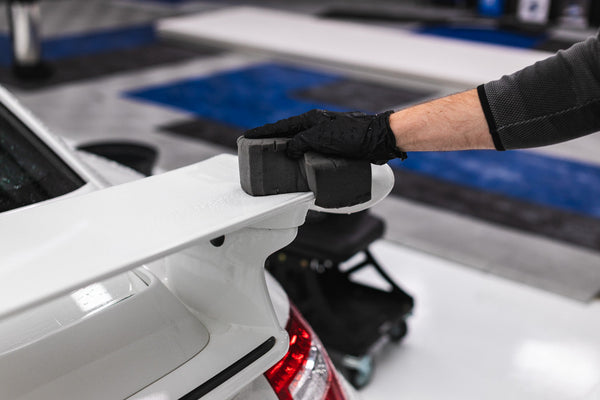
[476,336]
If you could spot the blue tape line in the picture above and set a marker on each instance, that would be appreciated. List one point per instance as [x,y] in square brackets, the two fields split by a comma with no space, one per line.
[98,42]
[490,8]
[485,35]
[5,51]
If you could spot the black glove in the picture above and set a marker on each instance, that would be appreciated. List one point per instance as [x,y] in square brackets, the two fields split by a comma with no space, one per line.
[350,135]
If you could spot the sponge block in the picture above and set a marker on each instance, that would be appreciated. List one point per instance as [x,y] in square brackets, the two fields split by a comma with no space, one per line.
[265,169]
[336,182]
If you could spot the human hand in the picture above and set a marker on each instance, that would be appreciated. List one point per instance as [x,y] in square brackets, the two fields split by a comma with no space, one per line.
[346,134]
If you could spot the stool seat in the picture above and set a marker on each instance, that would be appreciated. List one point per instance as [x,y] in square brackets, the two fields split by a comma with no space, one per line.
[337,237]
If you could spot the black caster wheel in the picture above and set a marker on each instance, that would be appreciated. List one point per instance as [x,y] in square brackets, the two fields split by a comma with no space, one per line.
[398,331]
[361,375]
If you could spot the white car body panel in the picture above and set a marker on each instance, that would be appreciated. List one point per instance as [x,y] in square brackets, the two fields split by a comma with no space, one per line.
[219,301]
[76,359]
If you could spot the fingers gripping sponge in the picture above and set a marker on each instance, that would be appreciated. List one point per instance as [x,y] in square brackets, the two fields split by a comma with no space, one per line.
[336,182]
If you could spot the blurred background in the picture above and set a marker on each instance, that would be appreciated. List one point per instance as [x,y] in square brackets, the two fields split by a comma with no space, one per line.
[499,250]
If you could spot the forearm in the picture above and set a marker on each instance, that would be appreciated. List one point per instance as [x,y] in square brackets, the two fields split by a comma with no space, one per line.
[455,122]
[554,100]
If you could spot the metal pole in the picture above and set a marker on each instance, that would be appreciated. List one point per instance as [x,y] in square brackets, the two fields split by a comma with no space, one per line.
[25,22]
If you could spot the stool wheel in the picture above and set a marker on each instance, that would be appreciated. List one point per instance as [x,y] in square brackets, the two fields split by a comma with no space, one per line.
[398,331]
[360,375]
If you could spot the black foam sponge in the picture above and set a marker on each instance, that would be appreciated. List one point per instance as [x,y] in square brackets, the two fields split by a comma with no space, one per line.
[336,182]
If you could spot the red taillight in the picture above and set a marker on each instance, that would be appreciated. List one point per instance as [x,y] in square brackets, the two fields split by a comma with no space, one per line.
[305,372]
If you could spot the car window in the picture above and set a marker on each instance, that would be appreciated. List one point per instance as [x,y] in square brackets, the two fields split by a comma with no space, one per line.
[30,171]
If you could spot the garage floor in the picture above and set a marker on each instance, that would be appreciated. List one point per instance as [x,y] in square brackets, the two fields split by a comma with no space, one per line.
[475,336]
[505,282]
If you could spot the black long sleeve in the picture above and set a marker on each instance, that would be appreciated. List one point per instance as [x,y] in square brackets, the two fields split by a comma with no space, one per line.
[554,100]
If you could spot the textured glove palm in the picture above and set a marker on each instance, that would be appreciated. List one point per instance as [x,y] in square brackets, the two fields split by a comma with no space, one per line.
[350,135]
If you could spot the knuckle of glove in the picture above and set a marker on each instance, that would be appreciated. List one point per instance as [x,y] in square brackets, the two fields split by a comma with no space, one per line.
[255,133]
[317,115]
[357,114]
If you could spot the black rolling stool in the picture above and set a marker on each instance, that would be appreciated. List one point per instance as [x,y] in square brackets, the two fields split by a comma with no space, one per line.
[353,320]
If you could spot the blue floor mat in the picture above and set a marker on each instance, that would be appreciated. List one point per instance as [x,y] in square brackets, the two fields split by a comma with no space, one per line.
[550,181]
[244,98]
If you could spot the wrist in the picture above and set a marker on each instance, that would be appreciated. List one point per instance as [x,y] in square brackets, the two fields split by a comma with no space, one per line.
[397,124]
[394,123]
[391,139]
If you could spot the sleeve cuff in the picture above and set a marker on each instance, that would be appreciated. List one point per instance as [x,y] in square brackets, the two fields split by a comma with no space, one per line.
[487,111]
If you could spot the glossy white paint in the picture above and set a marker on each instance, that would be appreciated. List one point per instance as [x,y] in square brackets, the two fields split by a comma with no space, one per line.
[117,336]
[225,288]
[259,389]
[124,226]
[42,321]
[383,50]
[110,171]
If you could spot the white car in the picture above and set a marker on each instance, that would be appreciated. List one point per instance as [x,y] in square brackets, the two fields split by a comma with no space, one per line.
[116,287]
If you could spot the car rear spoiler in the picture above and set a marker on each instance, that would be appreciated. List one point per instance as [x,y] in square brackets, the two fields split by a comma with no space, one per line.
[51,249]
